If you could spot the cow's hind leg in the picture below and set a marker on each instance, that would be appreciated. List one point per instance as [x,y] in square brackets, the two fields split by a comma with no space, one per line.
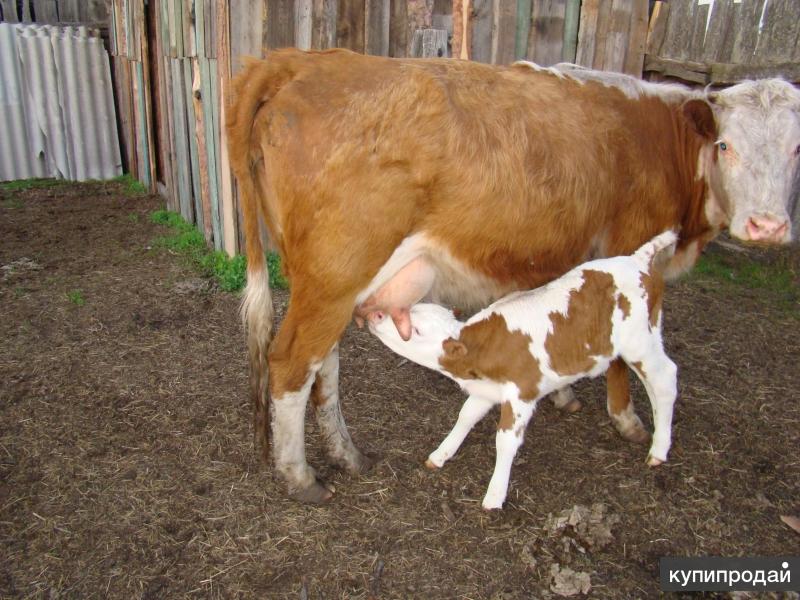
[325,396]
[307,336]
[620,407]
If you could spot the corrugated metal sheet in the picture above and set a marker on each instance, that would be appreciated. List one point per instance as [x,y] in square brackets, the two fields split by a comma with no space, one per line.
[56,106]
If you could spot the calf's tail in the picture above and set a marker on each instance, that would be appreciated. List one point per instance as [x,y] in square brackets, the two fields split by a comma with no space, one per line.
[253,87]
[658,250]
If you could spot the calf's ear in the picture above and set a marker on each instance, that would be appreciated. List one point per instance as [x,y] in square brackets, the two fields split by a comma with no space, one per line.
[454,348]
[700,117]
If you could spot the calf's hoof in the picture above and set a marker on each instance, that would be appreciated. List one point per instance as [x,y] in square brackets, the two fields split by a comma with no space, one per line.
[432,465]
[572,406]
[490,504]
[316,493]
[565,400]
[652,461]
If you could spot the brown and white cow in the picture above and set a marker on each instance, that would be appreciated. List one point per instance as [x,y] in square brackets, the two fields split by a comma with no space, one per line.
[501,178]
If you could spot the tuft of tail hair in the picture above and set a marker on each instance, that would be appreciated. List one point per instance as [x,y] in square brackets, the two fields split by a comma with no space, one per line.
[657,252]
[255,85]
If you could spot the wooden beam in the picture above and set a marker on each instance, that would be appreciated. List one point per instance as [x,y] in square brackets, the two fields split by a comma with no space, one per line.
[323,30]
[199,101]
[229,214]
[504,38]
[462,29]
[429,43]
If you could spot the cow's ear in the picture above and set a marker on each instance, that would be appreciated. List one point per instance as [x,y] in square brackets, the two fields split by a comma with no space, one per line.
[700,116]
[454,348]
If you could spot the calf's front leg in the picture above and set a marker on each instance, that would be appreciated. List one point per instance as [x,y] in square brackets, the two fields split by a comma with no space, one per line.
[473,410]
[514,417]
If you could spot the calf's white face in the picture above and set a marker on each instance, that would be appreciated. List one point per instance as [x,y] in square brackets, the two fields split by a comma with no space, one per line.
[758,153]
[432,324]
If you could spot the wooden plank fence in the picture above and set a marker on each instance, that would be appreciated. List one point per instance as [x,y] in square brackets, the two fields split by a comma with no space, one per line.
[724,41]
[91,12]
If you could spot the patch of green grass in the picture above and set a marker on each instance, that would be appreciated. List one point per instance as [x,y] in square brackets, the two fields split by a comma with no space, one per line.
[230,273]
[131,185]
[20,185]
[76,297]
[13,203]
[777,280]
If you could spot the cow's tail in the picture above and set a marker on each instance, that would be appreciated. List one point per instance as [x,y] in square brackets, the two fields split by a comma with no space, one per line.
[253,87]
[657,252]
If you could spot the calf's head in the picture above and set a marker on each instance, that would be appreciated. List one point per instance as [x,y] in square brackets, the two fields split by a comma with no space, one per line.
[431,325]
[754,166]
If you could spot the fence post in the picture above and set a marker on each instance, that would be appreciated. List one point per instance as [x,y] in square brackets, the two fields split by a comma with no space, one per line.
[429,43]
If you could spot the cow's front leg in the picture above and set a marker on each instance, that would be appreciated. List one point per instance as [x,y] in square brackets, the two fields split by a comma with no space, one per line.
[325,396]
[473,410]
[514,417]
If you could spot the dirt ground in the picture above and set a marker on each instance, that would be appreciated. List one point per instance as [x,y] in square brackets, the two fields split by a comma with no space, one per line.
[127,468]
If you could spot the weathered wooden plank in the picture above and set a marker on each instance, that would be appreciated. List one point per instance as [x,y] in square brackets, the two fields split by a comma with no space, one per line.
[188,21]
[191,134]
[745,37]
[523,32]
[323,30]
[69,11]
[228,211]
[209,29]
[587,33]
[303,24]
[125,112]
[727,74]
[687,71]
[718,25]
[181,137]
[572,16]
[46,11]
[208,76]
[780,31]
[199,101]
[147,92]
[10,14]
[280,25]
[93,11]
[429,43]
[546,44]
[637,38]
[136,28]
[350,24]
[462,31]
[482,23]
[171,163]
[698,31]
[159,89]
[442,16]
[144,172]
[679,28]
[376,30]
[246,30]
[505,32]
[601,33]
[617,36]
[199,28]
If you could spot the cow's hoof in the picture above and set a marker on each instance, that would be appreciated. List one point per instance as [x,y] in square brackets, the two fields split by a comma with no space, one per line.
[316,493]
[364,463]
[652,461]
[432,465]
[572,406]
[636,435]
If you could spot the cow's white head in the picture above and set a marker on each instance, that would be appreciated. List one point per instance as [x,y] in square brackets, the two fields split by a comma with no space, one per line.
[752,172]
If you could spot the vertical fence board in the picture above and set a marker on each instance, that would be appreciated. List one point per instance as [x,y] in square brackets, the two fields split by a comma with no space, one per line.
[350,24]
[323,31]
[10,14]
[280,24]
[376,31]
[617,36]
[246,30]
[179,132]
[200,102]
[194,159]
[462,32]
[208,73]
[228,211]
[637,38]
[547,32]
[46,11]
[718,25]
[781,26]
[303,24]
[587,33]
[746,34]
[505,32]
[482,23]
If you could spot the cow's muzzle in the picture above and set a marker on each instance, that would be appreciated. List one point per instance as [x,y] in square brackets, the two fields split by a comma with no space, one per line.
[768,229]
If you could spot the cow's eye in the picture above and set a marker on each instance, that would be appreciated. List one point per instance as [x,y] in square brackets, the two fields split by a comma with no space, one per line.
[723,146]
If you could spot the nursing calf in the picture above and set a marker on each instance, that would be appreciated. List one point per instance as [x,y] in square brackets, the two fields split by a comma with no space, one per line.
[529,344]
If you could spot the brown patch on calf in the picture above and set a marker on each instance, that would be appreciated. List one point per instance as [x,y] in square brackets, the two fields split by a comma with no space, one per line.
[617,387]
[489,350]
[653,285]
[507,418]
[585,331]
[624,305]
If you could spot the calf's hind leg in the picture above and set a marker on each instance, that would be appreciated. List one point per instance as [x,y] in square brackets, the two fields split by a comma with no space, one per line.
[620,407]
[660,378]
